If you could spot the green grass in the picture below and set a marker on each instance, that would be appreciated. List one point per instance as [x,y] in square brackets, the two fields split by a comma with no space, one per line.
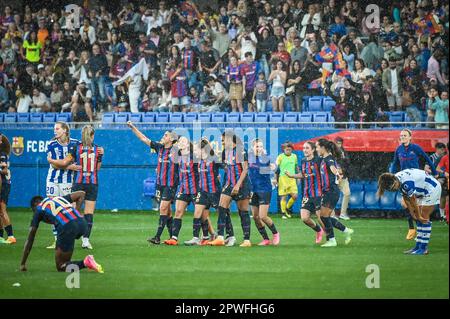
[296,269]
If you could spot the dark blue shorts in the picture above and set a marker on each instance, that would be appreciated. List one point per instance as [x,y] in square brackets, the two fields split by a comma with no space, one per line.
[208,199]
[4,194]
[244,191]
[91,190]
[165,193]
[330,198]
[311,204]
[260,199]
[187,198]
[69,232]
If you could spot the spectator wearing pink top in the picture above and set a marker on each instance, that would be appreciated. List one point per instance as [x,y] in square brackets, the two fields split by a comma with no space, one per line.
[434,70]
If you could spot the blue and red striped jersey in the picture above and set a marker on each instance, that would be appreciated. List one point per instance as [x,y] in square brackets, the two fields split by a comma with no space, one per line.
[188,175]
[179,85]
[209,175]
[233,161]
[88,158]
[234,74]
[312,180]
[56,210]
[189,57]
[167,168]
[328,178]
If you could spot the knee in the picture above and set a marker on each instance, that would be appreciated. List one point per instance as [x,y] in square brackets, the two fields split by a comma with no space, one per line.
[179,213]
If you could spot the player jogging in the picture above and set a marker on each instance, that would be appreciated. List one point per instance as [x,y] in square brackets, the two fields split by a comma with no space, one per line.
[5,187]
[188,188]
[443,169]
[260,170]
[69,224]
[89,157]
[421,193]
[312,188]
[329,152]
[237,187]
[407,156]
[209,191]
[59,181]
[287,162]
[167,178]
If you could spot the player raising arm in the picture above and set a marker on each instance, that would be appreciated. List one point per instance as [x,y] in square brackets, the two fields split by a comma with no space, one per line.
[421,193]
[69,225]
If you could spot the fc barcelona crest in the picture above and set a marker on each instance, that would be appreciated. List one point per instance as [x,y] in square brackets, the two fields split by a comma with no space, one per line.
[17,146]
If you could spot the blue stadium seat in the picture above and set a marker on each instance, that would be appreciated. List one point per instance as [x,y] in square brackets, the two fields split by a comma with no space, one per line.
[10,117]
[204,117]
[320,117]
[23,117]
[121,117]
[388,201]
[276,118]
[371,200]
[261,117]
[307,118]
[150,187]
[233,117]
[357,196]
[176,117]
[2,117]
[36,117]
[290,117]
[149,117]
[398,200]
[190,117]
[218,117]
[162,117]
[64,117]
[315,104]
[397,117]
[108,118]
[305,102]
[49,117]
[327,104]
[247,118]
[135,117]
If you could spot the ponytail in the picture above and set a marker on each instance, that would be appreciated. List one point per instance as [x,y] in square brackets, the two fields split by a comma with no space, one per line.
[385,183]
[87,135]
[331,147]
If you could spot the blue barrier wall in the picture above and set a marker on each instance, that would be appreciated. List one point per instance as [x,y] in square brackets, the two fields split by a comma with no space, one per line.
[126,164]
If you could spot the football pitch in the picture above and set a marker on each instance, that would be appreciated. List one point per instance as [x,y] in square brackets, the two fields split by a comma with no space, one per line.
[296,269]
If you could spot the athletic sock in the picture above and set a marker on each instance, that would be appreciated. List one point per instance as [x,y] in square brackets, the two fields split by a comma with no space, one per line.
[197,224]
[169,225]
[229,224]
[80,264]
[1,233]
[410,220]
[55,233]
[161,225]
[9,231]
[221,220]
[273,229]
[176,226]
[283,205]
[263,233]
[337,224]
[245,223]
[205,228]
[442,212]
[90,222]
[290,203]
[426,234]
[328,227]
[317,228]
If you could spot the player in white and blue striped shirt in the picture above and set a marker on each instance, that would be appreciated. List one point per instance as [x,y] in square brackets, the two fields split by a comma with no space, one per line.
[59,181]
[421,193]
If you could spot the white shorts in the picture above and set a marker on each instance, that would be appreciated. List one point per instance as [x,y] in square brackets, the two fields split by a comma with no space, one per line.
[61,189]
[433,198]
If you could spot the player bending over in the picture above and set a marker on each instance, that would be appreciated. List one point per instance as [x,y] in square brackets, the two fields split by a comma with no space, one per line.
[69,225]
[421,193]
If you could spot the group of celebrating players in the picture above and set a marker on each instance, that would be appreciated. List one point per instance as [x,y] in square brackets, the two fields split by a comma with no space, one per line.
[189,172]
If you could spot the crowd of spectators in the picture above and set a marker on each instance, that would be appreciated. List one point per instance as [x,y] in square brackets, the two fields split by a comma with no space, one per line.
[239,56]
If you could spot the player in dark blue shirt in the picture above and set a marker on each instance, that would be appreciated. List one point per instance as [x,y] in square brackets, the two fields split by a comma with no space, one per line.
[69,224]
[209,191]
[330,176]
[407,155]
[312,187]
[5,187]
[188,188]
[167,177]
[237,187]
[260,170]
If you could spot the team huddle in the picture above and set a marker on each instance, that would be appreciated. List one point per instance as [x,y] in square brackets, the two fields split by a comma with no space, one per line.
[189,173]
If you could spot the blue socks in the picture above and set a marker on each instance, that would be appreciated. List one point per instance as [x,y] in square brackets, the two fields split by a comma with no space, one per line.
[245,223]
[197,224]
[161,225]
[176,227]
[423,235]
[90,221]
[9,230]
[221,220]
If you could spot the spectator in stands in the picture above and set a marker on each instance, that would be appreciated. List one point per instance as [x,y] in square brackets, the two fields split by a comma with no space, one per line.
[81,103]
[152,96]
[31,48]
[23,103]
[266,45]
[437,108]
[298,52]
[8,55]
[296,86]
[342,108]
[179,86]
[260,94]
[278,79]
[66,98]
[434,71]
[88,31]
[250,69]
[217,96]
[97,72]
[365,110]
[338,27]
[56,98]
[344,185]
[209,61]
[236,82]
[4,99]
[310,22]
[361,72]
[40,101]
[392,83]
